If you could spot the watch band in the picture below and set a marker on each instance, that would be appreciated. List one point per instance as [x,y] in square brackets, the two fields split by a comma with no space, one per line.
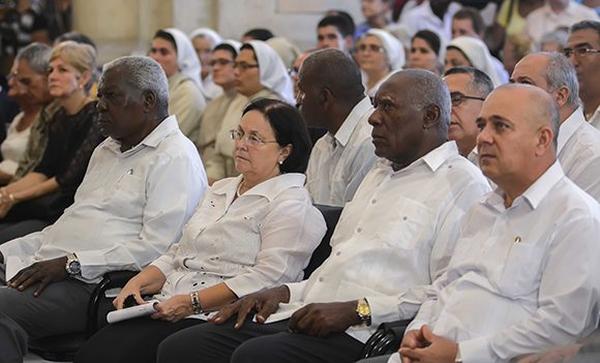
[196,307]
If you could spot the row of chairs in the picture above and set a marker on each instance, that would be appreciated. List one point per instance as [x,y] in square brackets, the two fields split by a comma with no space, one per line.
[63,348]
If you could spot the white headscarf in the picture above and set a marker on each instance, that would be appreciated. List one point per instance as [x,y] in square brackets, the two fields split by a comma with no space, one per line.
[214,37]
[233,43]
[273,74]
[187,60]
[393,48]
[479,56]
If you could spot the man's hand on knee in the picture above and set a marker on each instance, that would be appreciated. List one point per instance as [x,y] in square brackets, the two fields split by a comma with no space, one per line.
[325,318]
[43,272]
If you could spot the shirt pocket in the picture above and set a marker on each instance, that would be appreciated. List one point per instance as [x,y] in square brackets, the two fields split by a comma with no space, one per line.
[404,224]
[521,273]
[127,196]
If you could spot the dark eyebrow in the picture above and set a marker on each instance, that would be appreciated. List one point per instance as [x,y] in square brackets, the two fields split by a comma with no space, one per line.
[501,119]
[580,45]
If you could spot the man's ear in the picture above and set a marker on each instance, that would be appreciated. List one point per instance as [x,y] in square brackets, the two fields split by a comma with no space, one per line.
[545,140]
[326,97]
[561,95]
[431,116]
[149,98]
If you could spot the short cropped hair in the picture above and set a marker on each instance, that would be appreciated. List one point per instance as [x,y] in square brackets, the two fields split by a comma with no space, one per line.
[480,81]
[259,34]
[289,129]
[37,56]
[143,74]
[473,15]
[339,22]
[586,24]
[561,73]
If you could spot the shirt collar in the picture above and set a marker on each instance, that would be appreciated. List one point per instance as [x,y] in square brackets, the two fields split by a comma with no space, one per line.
[568,128]
[269,189]
[345,131]
[433,159]
[536,191]
[153,139]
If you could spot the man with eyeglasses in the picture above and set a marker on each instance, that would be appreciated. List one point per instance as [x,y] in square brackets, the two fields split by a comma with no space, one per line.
[578,147]
[468,88]
[583,50]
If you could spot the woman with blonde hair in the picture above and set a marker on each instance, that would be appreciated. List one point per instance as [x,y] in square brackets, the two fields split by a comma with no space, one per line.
[39,198]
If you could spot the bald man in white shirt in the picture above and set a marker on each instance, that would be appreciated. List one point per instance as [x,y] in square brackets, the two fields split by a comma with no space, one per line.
[141,186]
[391,241]
[524,275]
[578,147]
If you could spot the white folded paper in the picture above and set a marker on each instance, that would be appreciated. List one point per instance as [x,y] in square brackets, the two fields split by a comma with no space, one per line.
[132,312]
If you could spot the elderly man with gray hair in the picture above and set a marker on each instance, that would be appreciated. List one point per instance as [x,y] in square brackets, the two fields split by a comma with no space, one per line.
[578,146]
[142,184]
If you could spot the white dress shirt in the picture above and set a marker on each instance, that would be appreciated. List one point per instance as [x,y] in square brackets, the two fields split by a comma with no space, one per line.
[263,238]
[130,207]
[544,20]
[14,146]
[579,153]
[422,17]
[523,278]
[595,119]
[338,164]
[394,237]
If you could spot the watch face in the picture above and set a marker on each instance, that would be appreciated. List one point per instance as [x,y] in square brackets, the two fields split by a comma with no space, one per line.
[74,268]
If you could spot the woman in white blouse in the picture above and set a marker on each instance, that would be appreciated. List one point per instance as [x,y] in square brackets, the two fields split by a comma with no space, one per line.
[250,232]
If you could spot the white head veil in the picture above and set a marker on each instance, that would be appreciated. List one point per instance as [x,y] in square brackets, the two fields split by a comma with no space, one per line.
[212,35]
[479,56]
[233,43]
[393,48]
[272,72]
[187,60]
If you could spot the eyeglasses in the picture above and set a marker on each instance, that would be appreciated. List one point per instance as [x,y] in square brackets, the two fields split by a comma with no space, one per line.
[251,139]
[244,66]
[458,98]
[220,61]
[372,47]
[579,51]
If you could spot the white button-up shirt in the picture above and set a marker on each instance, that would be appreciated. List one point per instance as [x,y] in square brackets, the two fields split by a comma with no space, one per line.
[394,238]
[422,17]
[339,163]
[579,153]
[263,238]
[544,20]
[595,119]
[130,207]
[523,278]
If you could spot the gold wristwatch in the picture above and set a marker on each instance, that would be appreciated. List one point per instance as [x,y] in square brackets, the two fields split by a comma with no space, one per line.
[363,310]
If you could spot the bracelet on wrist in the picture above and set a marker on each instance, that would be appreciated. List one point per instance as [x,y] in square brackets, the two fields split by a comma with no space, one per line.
[196,307]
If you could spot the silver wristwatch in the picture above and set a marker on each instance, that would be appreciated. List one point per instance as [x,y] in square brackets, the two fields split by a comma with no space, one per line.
[73,266]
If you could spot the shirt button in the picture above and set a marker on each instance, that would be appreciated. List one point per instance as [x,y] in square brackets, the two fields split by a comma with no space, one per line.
[358,230]
[404,218]
[373,201]
[320,279]
[338,253]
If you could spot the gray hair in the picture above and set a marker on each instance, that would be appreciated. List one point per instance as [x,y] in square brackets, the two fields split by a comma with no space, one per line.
[143,73]
[428,89]
[37,56]
[561,73]
[586,24]
[559,37]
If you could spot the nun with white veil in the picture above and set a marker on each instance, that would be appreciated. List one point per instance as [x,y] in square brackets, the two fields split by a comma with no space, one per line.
[172,49]
[204,41]
[379,54]
[467,51]
[259,73]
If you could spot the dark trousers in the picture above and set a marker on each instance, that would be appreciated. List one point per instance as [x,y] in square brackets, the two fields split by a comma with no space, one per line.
[12,230]
[255,343]
[130,341]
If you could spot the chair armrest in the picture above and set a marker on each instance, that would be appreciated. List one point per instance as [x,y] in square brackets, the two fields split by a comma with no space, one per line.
[386,339]
[110,280]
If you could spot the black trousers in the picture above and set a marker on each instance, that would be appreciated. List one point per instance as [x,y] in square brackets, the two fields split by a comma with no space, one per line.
[130,341]
[12,230]
[255,343]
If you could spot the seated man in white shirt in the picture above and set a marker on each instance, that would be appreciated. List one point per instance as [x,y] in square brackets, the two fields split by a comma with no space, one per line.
[468,88]
[578,147]
[391,241]
[141,186]
[524,275]
[583,50]
[331,96]
[556,14]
